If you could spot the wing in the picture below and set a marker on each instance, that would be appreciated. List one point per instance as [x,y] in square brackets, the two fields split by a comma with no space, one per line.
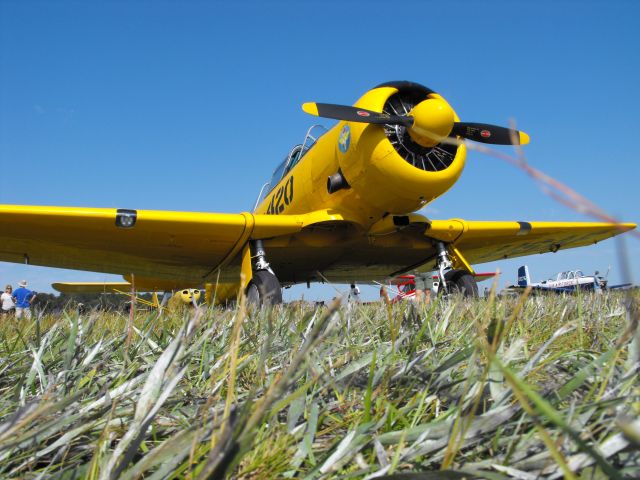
[191,248]
[91,287]
[481,277]
[219,293]
[481,242]
[142,284]
[345,256]
[402,279]
[536,289]
[185,247]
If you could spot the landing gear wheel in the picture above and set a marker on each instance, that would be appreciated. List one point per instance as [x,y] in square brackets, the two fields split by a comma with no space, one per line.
[460,281]
[264,289]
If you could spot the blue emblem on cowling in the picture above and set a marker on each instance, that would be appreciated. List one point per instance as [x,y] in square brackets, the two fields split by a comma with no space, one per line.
[344,140]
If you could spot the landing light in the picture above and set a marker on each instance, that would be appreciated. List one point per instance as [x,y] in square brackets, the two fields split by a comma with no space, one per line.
[126,218]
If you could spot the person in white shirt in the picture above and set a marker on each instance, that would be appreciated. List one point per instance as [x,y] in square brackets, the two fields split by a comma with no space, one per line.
[8,306]
[354,293]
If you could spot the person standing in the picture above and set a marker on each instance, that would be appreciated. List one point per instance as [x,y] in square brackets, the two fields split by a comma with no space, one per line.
[354,293]
[423,286]
[23,297]
[8,306]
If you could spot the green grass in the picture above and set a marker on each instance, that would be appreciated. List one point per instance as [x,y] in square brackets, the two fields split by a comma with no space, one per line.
[355,391]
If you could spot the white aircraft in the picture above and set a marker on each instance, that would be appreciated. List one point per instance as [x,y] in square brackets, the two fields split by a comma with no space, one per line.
[566,282]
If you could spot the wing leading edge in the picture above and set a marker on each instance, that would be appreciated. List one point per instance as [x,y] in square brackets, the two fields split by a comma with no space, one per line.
[183,247]
[482,242]
[190,248]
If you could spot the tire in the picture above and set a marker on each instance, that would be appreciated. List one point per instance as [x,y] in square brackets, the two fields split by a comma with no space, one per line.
[264,289]
[252,294]
[460,281]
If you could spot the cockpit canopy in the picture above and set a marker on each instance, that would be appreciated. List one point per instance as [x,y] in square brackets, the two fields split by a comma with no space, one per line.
[570,275]
[295,155]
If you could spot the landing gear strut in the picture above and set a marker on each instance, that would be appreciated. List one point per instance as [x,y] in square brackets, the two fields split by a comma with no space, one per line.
[264,288]
[452,280]
[443,263]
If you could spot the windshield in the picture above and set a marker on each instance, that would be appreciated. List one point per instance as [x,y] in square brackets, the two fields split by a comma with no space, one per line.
[277,174]
[295,155]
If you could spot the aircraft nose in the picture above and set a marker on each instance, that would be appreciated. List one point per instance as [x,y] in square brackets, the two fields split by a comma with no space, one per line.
[433,121]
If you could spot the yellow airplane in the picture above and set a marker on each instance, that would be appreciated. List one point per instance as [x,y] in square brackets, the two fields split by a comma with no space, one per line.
[177,299]
[339,207]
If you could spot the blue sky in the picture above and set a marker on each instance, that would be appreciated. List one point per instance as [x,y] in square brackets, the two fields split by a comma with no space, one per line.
[190,105]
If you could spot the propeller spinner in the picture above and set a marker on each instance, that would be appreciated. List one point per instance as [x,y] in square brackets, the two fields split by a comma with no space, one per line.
[428,123]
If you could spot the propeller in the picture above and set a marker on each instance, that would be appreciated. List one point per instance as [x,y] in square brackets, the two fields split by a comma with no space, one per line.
[428,123]
[354,114]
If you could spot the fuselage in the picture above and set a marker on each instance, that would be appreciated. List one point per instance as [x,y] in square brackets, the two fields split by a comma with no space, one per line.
[573,280]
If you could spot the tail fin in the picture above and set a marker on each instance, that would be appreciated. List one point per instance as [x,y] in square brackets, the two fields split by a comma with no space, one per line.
[523,276]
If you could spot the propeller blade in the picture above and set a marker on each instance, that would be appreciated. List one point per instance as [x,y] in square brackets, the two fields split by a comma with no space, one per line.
[354,114]
[486,133]
[478,132]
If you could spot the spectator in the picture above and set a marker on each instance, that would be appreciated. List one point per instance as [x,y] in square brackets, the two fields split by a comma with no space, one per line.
[23,298]
[8,306]
[384,295]
[354,293]
[423,286]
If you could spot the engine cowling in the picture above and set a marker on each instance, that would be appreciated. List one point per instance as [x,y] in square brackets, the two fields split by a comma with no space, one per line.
[366,170]
[390,167]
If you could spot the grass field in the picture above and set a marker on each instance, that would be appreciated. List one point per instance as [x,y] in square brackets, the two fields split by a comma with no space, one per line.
[540,387]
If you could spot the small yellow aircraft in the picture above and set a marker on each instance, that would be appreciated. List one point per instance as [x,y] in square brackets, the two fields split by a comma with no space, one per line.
[171,301]
[339,207]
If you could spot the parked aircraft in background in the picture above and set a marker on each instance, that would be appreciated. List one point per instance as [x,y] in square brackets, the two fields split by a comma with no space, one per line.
[406,285]
[339,207]
[170,300]
[566,282]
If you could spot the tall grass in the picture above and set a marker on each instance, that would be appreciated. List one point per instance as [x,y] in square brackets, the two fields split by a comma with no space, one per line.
[540,387]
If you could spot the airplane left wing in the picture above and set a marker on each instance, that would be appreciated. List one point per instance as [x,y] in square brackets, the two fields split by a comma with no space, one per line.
[179,246]
[482,242]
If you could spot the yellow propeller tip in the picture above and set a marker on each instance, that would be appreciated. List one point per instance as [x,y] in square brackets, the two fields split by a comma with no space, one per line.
[311,108]
[524,138]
